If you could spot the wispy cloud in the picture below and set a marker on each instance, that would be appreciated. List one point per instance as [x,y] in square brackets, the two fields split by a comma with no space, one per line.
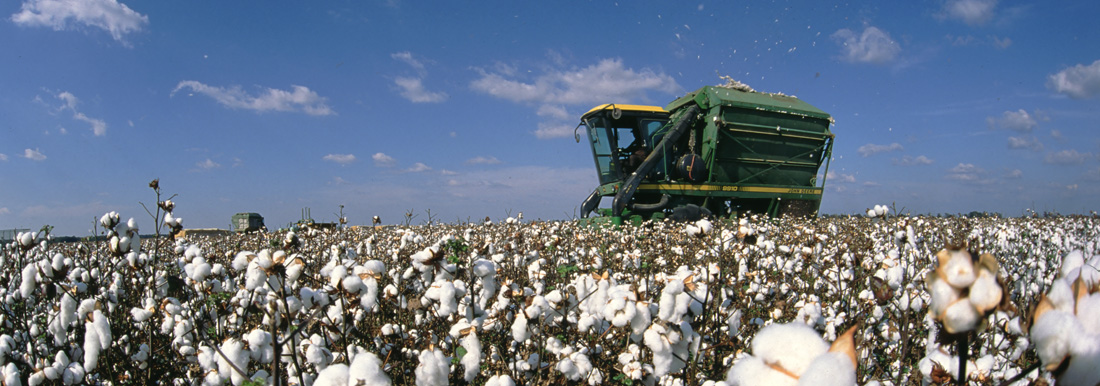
[968,173]
[381,159]
[108,15]
[972,12]
[481,160]
[871,149]
[412,87]
[34,155]
[1018,120]
[297,99]
[342,159]
[1078,82]
[1029,142]
[551,92]
[208,164]
[99,127]
[873,45]
[418,168]
[3,157]
[413,90]
[913,161]
[1067,157]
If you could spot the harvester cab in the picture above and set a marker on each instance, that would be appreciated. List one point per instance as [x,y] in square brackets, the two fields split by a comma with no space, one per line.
[724,151]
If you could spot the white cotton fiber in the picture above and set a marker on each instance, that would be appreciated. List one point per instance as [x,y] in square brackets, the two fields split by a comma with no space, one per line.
[943,294]
[1053,333]
[235,351]
[335,375]
[367,369]
[960,317]
[752,371]
[1083,364]
[829,369]
[471,361]
[433,369]
[959,270]
[792,346]
[26,287]
[985,293]
[519,329]
[1071,262]
[91,346]
[500,380]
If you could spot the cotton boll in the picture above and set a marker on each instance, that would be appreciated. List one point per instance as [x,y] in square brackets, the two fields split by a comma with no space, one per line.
[943,295]
[958,270]
[792,346]
[519,329]
[103,328]
[500,380]
[26,287]
[752,371]
[829,369]
[91,346]
[238,356]
[471,361]
[1053,334]
[335,375]
[1082,369]
[433,369]
[366,368]
[985,293]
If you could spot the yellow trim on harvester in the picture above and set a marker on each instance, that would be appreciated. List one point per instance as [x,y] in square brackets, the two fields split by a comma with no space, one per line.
[642,108]
[729,188]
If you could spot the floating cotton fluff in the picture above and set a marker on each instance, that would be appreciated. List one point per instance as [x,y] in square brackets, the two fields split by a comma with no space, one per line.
[793,354]
[957,274]
[1066,328]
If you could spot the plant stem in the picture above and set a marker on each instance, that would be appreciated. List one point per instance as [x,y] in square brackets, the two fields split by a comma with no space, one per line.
[963,347]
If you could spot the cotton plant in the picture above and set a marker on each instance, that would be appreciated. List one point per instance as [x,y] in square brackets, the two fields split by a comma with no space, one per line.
[794,354]
[1066,322]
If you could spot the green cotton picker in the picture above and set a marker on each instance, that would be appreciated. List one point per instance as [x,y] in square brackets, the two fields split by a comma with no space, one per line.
[724,151]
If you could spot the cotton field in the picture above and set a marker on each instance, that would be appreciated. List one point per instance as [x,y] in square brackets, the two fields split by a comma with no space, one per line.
[882,300]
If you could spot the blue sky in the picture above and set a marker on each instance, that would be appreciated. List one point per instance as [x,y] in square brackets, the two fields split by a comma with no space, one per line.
[467,108]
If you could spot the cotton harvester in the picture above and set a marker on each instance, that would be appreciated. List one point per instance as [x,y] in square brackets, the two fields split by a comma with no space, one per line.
[720,150]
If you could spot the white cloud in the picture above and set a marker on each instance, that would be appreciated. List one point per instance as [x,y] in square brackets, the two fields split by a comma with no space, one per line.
[972,12]
[1025,142]
[1078,82]
[300,98]
[872,149]
[3,157]
[968,173]
[413,90]
[342,159]
[555,90]
[837,177]
[99,127]
[911,161]
[604,82]
[1018,120]
[1067,157]
[407,57]
[381,159]
[208,164]
[481,160]
[34,155]
[1015,173]
[109,15]
[872,46]
[554,130]
[418,167]
[5,210]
